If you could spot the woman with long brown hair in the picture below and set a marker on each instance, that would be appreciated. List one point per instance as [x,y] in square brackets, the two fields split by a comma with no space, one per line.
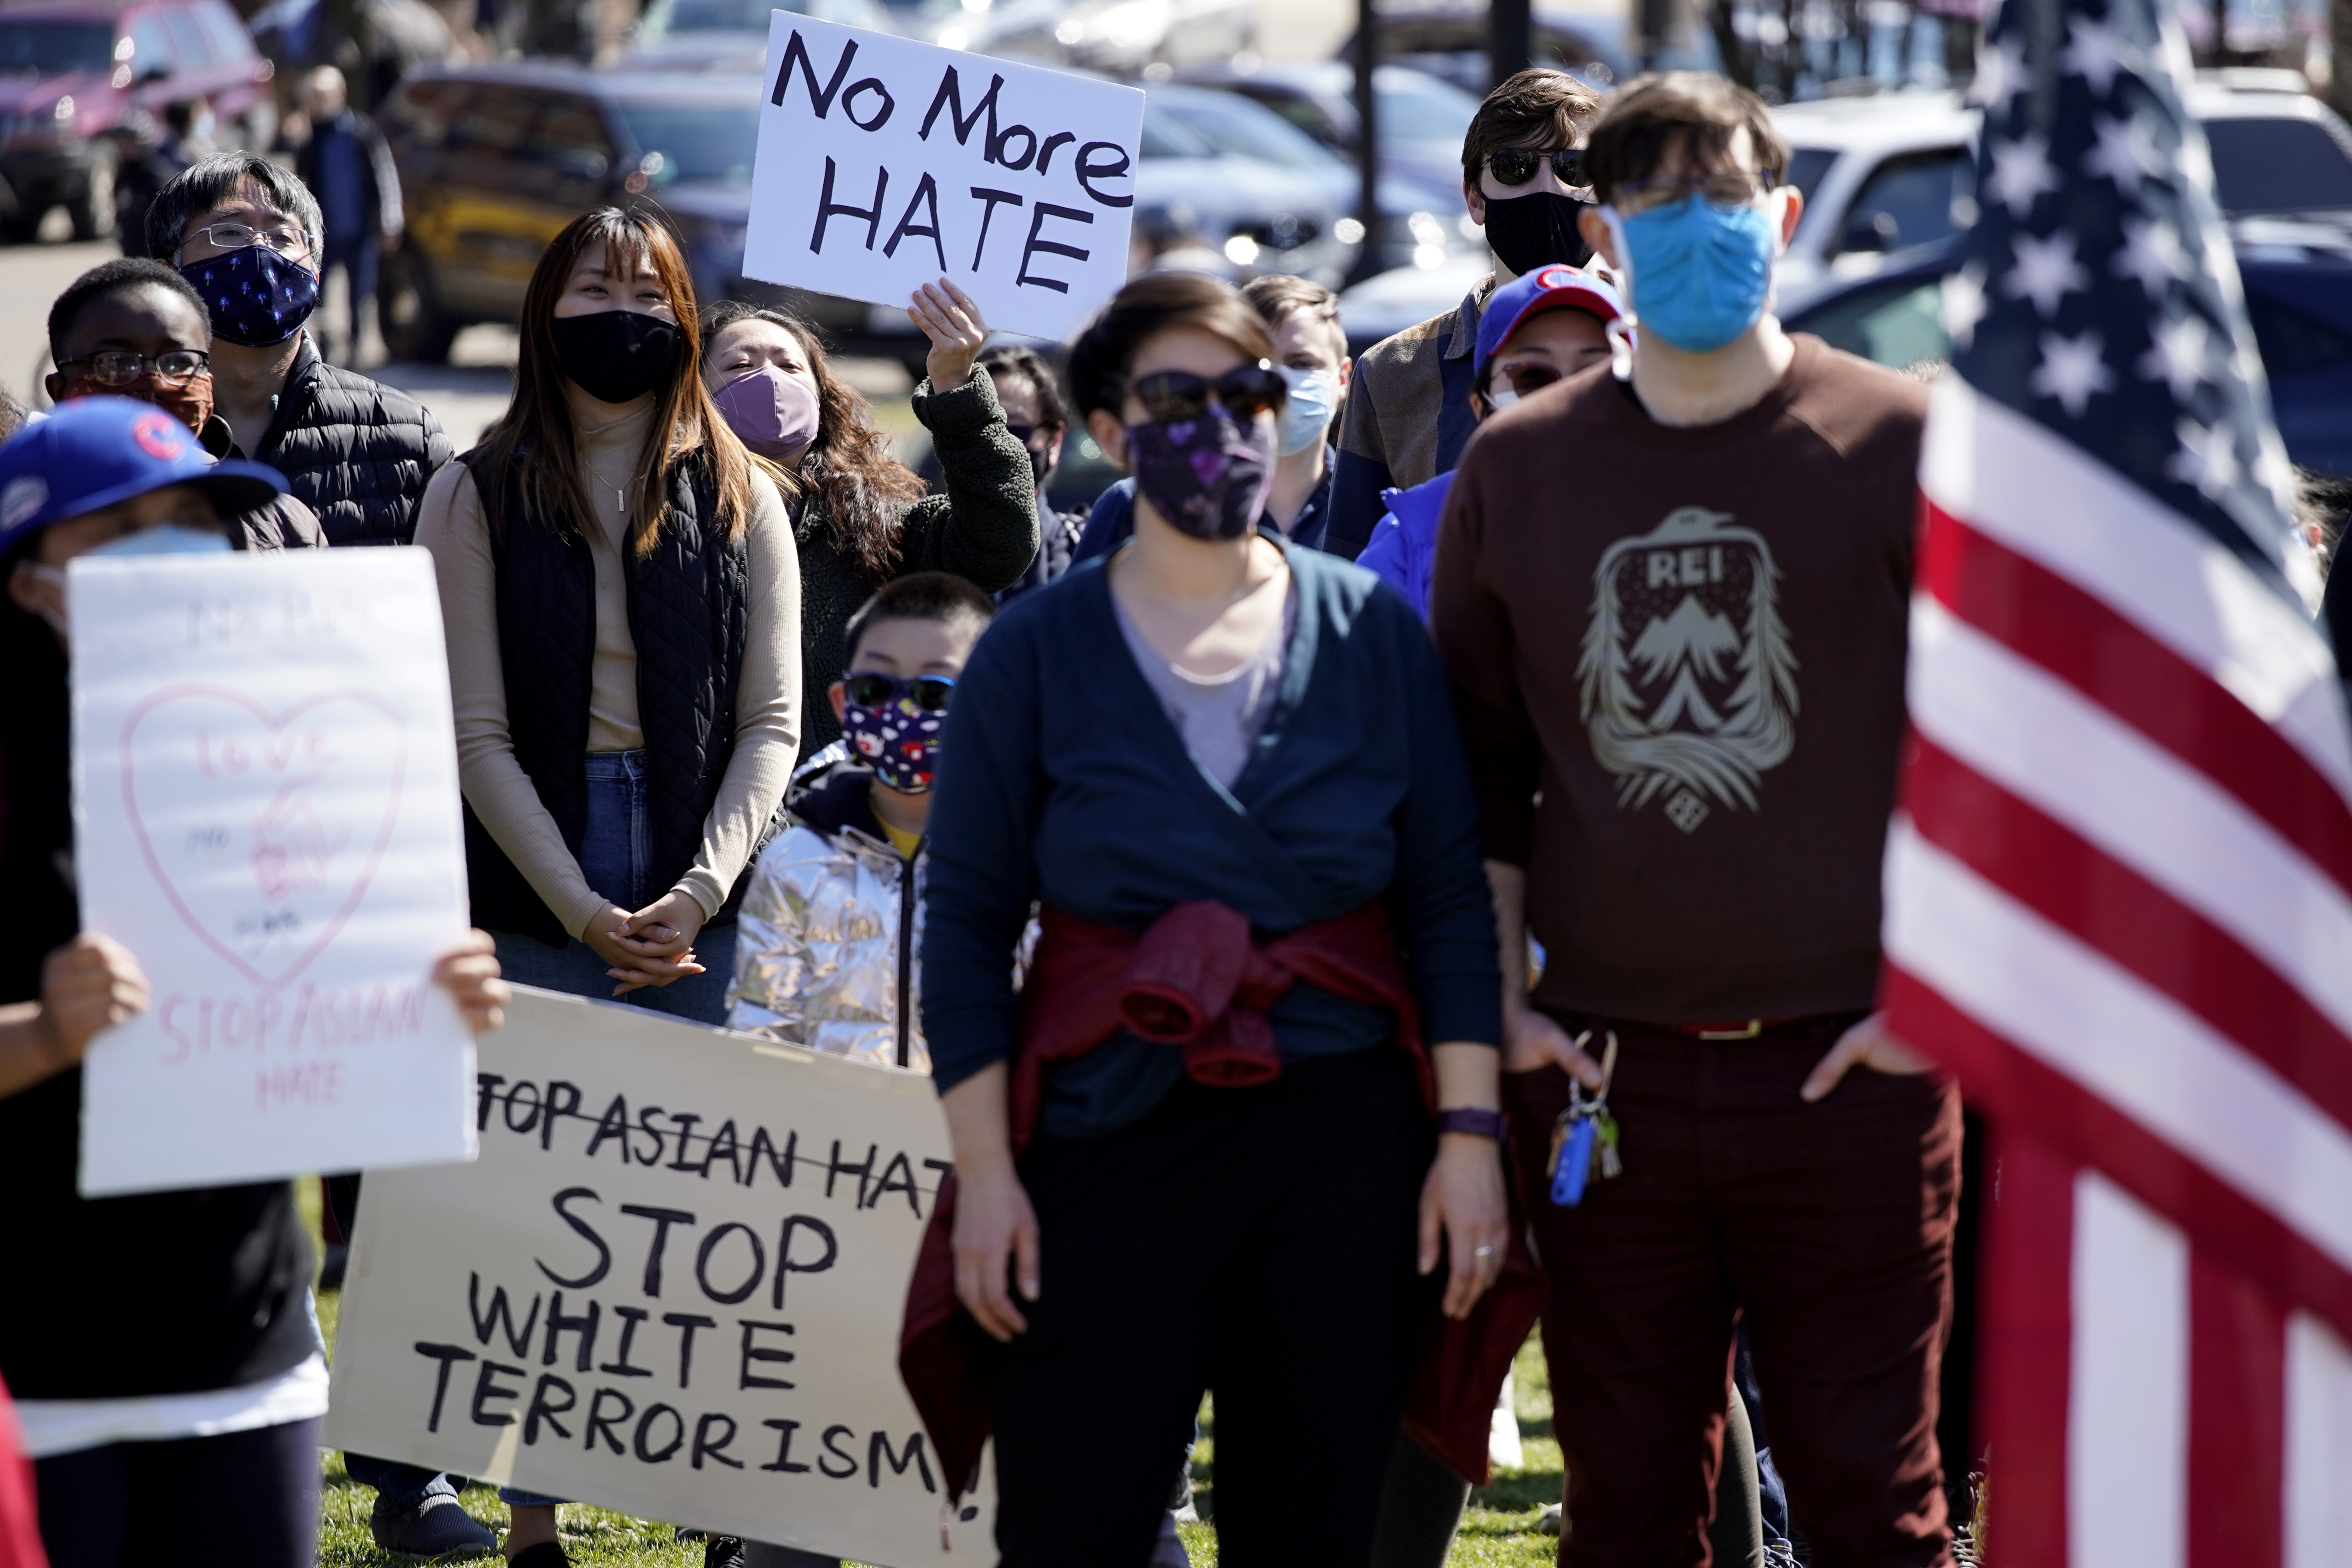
[862,517]
[623,606]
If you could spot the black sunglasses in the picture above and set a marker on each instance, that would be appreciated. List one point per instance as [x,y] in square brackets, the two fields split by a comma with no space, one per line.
[1245,393]
[1523,378]
[872,689]
[1517,165]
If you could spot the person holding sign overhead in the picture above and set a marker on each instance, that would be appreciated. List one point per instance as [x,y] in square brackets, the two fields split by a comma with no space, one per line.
[186,1432]
[861,517]
[1194,1149]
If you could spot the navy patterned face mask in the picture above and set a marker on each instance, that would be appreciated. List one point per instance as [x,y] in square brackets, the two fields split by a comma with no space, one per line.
[893,726]
[255,296]
[1208,475]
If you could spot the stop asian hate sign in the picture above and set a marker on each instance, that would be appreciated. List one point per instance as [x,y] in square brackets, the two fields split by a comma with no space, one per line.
[886,163]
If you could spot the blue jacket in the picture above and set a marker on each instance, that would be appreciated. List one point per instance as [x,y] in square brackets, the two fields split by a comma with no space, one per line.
[1404,546]
[1076,791]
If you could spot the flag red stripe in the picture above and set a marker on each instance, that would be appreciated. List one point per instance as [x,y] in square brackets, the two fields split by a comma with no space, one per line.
[2034,1098]
[2171,948]
[2236,1418]
[2025,1350]
[2144,684]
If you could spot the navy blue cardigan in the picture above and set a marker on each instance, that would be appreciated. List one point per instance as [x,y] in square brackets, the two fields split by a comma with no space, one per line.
[1062,781]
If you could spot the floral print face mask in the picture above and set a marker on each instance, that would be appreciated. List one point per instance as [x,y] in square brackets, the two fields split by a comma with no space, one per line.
[1208,475]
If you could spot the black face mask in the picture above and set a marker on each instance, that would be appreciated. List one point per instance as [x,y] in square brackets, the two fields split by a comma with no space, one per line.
[616,356]
[1537,230]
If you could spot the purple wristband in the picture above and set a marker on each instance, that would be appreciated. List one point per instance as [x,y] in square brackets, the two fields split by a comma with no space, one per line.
[1477,1123]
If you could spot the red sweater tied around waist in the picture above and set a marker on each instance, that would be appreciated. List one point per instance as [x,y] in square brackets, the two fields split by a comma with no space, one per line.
[1196,981]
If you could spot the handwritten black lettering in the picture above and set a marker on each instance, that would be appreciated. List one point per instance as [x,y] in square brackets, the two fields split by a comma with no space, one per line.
[927,194]
[785,1430]
[544,1409]
[832,1450]
[583,1325]
[951,97]
[686,1122]
[1050,246]
[780,1165]
[514,1098]
[663,1219]
[686,1323]
[745,1377]
[881,115]
[613,1123]
[723,1144]
[1089,171]
[1045,154]
[705,1447]
[587,1233]
[786,1265]
[646,1452]
[645,1126]
[796,51]
[837,1168]
[562,1099]
[500,1316]
[488,1388]
[727,1298]
[448,1356]
[620,1365]
[486,1090]
[990,201]
[878,1449]
[898,1176]
[598,1421]
[827,209]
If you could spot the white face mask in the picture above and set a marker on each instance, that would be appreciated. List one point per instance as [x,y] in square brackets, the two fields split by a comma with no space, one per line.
[1502,397]
[1307,412]
[165,538]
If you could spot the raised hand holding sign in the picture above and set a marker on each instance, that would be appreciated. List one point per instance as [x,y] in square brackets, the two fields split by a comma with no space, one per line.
[886,165]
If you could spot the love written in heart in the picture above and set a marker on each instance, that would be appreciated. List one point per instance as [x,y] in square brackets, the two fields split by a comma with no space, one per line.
[267,816]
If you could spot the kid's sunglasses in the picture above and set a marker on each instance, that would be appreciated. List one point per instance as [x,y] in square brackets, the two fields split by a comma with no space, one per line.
[872,689]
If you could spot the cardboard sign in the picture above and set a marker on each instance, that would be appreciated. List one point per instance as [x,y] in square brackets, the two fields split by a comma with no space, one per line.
[671,1285]
[884,165]
[265,785]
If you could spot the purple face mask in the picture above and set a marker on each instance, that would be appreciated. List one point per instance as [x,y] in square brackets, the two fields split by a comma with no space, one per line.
[1207,476]
[774,413]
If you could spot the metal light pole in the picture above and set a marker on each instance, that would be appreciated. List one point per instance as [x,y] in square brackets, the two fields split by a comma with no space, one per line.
[1510,38]
[1368,138]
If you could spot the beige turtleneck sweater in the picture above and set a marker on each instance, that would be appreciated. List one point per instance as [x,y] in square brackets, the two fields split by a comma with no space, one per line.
[451,524]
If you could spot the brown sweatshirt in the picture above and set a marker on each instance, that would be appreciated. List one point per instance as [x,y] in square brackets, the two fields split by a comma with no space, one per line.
[1677,658]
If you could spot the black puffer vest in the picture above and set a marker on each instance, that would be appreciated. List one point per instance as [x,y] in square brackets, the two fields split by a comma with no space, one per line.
[688,615]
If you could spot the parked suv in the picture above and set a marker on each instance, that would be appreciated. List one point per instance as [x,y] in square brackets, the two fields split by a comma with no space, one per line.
[72,72]
[495,160]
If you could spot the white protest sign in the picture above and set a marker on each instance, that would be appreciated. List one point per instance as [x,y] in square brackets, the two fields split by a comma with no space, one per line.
[671,1285]
[884,165]
[265,783]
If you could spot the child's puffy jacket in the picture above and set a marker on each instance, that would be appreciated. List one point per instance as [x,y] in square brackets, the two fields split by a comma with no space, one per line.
[1404,545]
[831,929]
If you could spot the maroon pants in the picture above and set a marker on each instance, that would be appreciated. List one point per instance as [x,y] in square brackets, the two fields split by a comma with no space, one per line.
[1827,1228]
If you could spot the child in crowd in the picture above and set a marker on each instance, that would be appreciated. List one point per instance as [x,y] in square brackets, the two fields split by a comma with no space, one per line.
[1537,329]
[826,957]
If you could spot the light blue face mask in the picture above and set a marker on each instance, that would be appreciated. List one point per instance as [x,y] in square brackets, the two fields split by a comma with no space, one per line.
[1700,276]
[1307,412]
[166,539]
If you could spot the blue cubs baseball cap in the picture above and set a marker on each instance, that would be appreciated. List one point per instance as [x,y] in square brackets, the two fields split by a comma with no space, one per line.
[1531,293]
[94,452]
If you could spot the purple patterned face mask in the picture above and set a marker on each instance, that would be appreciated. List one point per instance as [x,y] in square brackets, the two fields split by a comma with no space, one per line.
[1208,475]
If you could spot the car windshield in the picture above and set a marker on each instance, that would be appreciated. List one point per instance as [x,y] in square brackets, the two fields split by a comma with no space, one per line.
[1233,125]
[2278,166]
[1416,107]
[1165,136]
[55,48]
[695,141]
[664,17]
[1806,167]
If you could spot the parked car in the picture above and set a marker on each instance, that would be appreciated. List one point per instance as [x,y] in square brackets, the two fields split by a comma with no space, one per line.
[2298,280]
[1422,122]
[72,72]
[730,34]
[1118,36]
[1450,41]
[495,160]
[1885,173]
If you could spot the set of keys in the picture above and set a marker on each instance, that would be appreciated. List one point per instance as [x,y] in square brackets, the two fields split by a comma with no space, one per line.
[1585,1136]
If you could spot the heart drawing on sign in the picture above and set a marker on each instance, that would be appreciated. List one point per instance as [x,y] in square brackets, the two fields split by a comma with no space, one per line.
[263,830]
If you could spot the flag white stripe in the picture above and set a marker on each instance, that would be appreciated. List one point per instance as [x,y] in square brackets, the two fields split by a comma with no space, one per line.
[2018,482]
[2128,1384]
[2044,742]
[2038,986]
[2318,1446]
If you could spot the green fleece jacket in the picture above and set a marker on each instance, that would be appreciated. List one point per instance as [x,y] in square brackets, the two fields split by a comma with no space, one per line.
[983,529]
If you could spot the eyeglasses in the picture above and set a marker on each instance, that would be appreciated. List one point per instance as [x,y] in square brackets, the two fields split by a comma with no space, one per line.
[119,367]
[1517,165]
[1245,393]
[237,235]
[872,689]
[1726,190]
[1522,379]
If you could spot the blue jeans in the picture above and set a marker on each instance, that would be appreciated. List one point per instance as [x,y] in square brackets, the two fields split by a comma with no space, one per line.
[616,850]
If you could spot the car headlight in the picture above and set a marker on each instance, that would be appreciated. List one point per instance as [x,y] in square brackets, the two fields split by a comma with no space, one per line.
[64,110]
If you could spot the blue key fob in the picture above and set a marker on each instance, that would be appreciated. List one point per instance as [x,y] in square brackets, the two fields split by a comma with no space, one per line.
[1575,1166]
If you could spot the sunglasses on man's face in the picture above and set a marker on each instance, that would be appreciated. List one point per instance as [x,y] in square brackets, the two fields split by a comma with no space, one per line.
[1517,165]
[1245,393]
[1521,379]
[872,689]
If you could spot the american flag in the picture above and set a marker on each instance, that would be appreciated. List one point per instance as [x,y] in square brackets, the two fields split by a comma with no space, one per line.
[2119,880]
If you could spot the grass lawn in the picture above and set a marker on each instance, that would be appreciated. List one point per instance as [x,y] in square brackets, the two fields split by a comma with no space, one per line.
[1498,1531]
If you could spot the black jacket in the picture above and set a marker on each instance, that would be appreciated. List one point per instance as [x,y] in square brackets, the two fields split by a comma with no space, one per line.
[984,530]
[689,613]
[353,450]
[379,177]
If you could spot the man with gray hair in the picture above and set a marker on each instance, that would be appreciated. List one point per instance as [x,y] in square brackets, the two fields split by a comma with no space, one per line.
[250,238]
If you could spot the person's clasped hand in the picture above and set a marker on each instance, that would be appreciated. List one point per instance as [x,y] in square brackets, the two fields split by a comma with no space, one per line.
[654,946]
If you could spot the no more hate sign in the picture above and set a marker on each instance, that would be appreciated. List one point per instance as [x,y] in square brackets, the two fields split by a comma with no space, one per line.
[886,163]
